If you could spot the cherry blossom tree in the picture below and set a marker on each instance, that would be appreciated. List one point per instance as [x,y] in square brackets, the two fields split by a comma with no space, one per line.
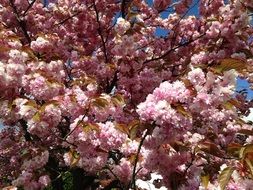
[92,98]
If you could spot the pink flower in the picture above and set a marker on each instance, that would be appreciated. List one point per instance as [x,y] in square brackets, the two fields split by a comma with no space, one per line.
[123,171]
[44,180]
[40,44]
[197,76]
[161,4]
[122,26]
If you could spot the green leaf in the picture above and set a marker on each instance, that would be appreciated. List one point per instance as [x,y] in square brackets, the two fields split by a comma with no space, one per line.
[67,178]
[225,176]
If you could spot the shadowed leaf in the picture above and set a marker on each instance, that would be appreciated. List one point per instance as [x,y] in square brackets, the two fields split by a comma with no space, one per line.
[224,177]
[100,102]
[205,180]
[133,128]
[249,165]
[211,148]
[228,64]
[245,150]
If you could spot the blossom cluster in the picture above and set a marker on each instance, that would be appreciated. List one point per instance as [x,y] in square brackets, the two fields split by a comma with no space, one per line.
[90,89]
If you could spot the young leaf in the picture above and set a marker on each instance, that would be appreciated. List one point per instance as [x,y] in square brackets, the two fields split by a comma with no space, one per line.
[100,102]
[224,177]
[133,127]
[234,149]
[88,127]
[179,146]
[36,117]
[118,100]
[122,127]
[228,64]
[205,180]
[74,157]
[245,150]
[249,164]
[211,148]
[181,110]
[31,103]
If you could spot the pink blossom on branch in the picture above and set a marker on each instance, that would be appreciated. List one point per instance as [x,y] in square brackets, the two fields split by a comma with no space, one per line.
[88,89]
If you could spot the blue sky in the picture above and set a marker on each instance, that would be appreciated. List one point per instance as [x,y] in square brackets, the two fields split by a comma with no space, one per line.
[193,11]
[244,85]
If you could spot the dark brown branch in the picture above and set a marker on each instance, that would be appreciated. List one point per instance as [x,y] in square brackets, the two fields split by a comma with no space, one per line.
[123,5]
[24,127]
[78,123]
[66,19]
[83,181]
[113,83]
[52,167]
[21,22]
[29,7]
[100,32]
[133,180]
[173,49]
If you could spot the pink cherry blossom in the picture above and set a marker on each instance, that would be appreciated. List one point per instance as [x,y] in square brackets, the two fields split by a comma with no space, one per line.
[90,90]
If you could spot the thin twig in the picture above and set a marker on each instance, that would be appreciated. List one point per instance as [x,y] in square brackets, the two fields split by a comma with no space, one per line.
[66,19]
[100,32]
[78,123]
[21,22]
[177,24]
[123,8]
[174,48]
[133,181]
[116,177]
[113,83]
[29,7]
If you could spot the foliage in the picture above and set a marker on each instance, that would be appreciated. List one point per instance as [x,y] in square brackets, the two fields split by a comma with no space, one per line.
[92,98]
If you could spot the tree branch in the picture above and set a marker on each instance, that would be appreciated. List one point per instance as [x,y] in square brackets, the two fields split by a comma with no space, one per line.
[29,7]
[21,22]
[173,49]
[113,83]
[177,24]
[133,180]
[100,32]
[123,4]
[78,123]
[66,19]
[24,127]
